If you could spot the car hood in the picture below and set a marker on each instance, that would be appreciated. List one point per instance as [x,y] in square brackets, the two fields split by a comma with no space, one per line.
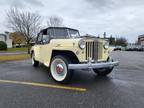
[72,42]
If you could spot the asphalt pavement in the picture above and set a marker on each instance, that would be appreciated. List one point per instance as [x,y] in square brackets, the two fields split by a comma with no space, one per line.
[123,88]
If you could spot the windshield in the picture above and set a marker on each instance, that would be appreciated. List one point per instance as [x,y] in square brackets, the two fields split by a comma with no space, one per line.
[73,33]
[61,33]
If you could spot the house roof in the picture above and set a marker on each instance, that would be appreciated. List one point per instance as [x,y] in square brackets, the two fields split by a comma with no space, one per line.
[141,36]
[2,35]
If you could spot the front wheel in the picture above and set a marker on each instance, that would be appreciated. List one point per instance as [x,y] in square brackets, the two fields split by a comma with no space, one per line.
[59,69]
[103,71]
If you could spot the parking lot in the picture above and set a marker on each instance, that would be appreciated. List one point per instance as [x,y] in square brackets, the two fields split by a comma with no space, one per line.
[23,86]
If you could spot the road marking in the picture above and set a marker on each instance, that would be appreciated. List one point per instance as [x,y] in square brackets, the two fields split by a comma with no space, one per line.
[44,85]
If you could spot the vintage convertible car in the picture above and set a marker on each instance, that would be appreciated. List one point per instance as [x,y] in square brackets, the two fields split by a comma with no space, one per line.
[62,50]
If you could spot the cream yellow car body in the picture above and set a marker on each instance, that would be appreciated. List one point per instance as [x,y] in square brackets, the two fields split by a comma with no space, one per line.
[43,52]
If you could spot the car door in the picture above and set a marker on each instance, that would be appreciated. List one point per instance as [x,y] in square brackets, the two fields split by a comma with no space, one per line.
[37,47]
[45,50]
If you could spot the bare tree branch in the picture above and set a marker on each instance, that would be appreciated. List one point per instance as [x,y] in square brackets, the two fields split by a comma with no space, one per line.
[24,22]
[55,21]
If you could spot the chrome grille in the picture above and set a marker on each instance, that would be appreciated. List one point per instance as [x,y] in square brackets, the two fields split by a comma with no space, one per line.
[93,50]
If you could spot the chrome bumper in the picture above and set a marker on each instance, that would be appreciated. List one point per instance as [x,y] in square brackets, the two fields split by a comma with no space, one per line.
[90,65]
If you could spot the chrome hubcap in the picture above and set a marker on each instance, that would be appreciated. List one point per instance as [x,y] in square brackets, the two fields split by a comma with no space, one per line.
[59,68]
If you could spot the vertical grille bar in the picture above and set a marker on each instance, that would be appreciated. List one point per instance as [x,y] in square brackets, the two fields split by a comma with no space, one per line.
[86,50]
[94,53]
[100,46]
[95,50]
[90,49]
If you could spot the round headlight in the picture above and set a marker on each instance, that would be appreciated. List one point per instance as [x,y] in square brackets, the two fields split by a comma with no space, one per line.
[82,44]
[106,45]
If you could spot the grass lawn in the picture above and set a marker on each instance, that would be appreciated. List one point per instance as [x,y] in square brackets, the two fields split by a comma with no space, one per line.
[14,57]
[22,49]
[12,50]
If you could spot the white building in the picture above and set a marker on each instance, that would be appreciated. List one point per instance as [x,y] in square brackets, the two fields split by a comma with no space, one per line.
[6,38]
[141,39]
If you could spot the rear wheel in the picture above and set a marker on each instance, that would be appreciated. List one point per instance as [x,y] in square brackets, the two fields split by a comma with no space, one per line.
[59,69]
[34,62]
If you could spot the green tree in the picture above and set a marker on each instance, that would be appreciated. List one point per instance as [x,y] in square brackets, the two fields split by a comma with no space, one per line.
[111,40]
[104,35]
[121,42]
[3,46]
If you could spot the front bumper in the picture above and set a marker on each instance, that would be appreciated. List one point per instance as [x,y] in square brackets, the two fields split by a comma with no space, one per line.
[91,65]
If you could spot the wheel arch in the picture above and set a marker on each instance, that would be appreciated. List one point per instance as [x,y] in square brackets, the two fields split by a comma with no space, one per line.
[68,54]
[32,51]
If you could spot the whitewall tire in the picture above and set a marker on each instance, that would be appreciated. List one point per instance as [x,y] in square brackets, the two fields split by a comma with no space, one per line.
[59,69]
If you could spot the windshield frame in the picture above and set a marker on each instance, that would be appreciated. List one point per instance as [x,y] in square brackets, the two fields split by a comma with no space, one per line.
[67,31]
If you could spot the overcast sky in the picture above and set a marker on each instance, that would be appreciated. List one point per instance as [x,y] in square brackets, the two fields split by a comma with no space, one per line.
[117,17]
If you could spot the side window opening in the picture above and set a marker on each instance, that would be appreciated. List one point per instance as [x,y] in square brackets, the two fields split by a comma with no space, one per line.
[50,33]
[39,38]
[45,37]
